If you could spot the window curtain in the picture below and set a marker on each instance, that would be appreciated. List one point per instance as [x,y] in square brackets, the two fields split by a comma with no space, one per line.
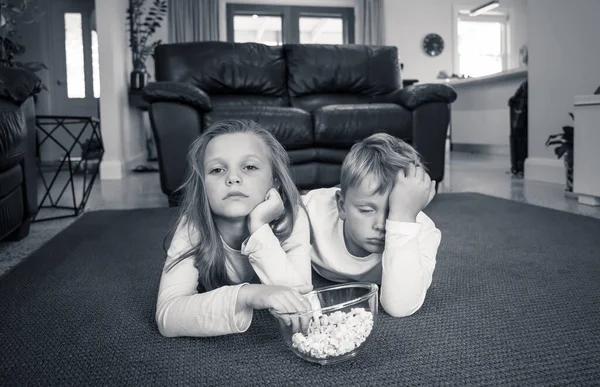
[373,24]
[193,20]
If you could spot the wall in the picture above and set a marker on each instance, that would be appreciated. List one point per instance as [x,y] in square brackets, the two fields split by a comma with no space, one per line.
[518,35]
[564,58]
[356,4]
[408,21]
[122,129]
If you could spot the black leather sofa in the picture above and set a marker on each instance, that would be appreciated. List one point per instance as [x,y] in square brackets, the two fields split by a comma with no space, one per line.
[317,100]
[18,167]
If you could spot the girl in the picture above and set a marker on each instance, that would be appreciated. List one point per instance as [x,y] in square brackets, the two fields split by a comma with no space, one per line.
[241,218]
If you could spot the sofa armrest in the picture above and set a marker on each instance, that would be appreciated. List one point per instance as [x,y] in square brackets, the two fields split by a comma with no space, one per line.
[16,85]
[430,124]
[174,126]
[414,96]
[185,93]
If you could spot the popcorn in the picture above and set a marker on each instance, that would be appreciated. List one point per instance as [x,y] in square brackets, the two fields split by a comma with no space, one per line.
[335,334]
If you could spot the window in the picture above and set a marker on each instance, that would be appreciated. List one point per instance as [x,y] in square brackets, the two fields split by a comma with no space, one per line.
[276,25]
[324,30]
[75,58]
[481,45]
[74,53]
[261,29]
[95,65]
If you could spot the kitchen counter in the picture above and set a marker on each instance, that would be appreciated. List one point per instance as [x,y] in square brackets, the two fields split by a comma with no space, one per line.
[480,115]
[518,73]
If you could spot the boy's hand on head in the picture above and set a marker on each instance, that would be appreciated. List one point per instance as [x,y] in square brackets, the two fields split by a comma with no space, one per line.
[411,193]
[266,212]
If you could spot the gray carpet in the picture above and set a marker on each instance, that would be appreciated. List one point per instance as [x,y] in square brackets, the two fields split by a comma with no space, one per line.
[515,300]
[13,252]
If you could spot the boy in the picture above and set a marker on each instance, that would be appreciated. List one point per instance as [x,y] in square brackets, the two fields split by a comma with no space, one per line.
[372,228]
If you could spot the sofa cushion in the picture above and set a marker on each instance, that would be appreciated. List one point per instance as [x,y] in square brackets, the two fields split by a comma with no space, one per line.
[343,125]
[225,100]
[290,126]
[360,69]
[312,102]
[224,68]
[316,175]
[324,155]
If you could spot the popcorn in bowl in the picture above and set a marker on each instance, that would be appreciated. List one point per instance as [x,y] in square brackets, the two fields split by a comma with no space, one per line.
[335,334]
[340,323]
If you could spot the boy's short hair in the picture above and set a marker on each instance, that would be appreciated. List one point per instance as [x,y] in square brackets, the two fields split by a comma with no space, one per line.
[381,155]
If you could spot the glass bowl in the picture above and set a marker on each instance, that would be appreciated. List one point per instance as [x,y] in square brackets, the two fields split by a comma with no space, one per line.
[339,325]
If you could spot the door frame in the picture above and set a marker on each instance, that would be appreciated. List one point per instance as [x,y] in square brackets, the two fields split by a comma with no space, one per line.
[60,104]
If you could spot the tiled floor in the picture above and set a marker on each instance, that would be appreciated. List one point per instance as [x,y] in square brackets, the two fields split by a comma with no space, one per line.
[490,175]
[465,172]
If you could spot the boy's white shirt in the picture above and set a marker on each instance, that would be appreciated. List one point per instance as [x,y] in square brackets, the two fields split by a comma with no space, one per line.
[404,270]
[182,311]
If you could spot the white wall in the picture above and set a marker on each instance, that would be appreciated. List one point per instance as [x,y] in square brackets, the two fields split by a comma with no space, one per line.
[356,4]
[121,125]
[408,21]
[564,61]
[518,34]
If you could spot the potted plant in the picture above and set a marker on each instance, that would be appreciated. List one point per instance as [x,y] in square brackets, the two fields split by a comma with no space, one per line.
[142,25]
[564,147]
[11,12]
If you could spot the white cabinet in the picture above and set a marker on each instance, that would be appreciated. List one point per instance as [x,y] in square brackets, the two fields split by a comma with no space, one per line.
[586,149]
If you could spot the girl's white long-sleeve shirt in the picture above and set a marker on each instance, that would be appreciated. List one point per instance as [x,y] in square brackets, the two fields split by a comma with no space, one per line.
[182,311]
[404,270]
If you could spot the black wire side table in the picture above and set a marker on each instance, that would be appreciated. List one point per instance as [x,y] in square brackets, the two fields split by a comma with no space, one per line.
[82,136]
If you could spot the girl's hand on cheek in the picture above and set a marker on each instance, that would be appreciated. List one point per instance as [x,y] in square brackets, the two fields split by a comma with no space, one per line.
[266,212]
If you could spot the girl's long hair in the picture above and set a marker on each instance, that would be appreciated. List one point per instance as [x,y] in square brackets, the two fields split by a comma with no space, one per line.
[195,212]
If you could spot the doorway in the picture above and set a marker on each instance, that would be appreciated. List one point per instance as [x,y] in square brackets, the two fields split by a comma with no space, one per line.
[73,70]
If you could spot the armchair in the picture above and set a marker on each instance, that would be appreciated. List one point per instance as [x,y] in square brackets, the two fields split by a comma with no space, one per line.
[18,168]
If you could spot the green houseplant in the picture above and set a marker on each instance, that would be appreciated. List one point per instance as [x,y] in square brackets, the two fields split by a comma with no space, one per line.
[564,147]
[11,13]
[142,24]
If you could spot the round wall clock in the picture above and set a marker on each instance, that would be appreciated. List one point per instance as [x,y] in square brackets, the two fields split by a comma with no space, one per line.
[433,44]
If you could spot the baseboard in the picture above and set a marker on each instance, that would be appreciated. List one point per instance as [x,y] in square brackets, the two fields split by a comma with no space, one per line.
[77,165]
[488,149]
[138,159]
[111,170]
[50,165]
[544,169]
